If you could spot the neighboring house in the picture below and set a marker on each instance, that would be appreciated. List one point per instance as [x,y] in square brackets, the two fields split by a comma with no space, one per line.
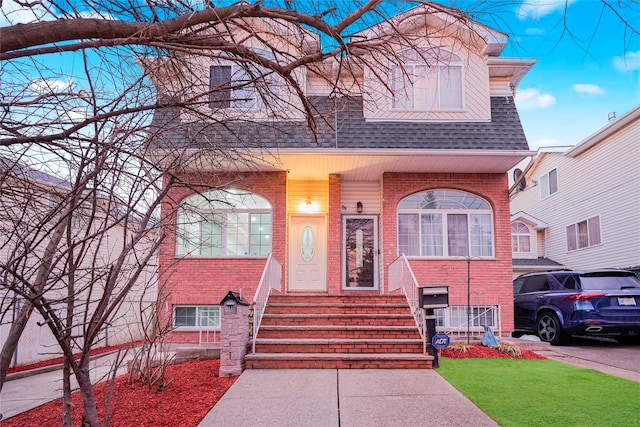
[579,207]
[419,171]
[31,204]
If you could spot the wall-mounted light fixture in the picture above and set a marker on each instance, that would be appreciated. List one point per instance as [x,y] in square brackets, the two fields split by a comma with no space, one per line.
[359,207]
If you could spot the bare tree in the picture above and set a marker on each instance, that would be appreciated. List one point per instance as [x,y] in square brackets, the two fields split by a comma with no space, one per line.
[80,83]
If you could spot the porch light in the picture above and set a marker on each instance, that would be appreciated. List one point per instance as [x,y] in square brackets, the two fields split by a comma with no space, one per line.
[359,207]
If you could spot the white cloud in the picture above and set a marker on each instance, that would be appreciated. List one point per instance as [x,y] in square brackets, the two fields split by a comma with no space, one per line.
[629,62]
[534,31]
[44,86]
[533,99]
[536,9]
[12,13]
[588,89]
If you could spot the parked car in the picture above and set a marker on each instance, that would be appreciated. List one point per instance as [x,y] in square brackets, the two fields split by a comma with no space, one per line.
[556,305]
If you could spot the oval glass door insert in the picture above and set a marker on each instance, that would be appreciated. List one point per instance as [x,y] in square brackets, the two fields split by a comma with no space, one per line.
[307,244]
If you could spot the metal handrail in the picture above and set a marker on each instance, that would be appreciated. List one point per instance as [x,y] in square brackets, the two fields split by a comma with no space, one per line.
[401,277]
[271,279]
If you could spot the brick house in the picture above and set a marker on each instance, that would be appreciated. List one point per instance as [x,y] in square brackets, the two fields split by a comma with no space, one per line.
[412,174]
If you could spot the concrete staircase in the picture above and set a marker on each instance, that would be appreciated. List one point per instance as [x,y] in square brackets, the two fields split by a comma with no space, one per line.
[338,332]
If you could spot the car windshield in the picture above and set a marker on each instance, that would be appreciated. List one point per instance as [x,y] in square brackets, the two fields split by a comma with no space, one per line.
[592,282]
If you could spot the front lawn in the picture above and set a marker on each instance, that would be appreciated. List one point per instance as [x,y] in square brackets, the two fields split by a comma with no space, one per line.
[516,392]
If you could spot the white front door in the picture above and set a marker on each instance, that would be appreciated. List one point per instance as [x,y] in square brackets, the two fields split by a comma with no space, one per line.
[308,253]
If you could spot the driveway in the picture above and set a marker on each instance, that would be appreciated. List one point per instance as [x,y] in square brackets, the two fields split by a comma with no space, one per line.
[602,355]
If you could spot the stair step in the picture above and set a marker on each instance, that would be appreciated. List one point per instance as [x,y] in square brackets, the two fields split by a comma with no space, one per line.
[336,308]
[338,332]
[338,361]
[332,331]
[311,345]
[338,319]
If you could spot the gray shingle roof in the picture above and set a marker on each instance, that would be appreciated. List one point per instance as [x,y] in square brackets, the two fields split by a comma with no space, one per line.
[341,124]
[535,262]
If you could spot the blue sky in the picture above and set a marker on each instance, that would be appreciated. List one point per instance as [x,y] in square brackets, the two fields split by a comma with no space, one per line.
[588,60]
[587,65]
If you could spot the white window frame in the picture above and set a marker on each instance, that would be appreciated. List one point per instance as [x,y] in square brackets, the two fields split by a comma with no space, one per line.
[582,235]
[244,94]
[199,309]
[223,205]
[549,184]
[444,244]
[412,81]
[517,235]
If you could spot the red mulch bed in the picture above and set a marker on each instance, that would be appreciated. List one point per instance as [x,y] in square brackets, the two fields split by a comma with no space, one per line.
[193,390]
[480,351]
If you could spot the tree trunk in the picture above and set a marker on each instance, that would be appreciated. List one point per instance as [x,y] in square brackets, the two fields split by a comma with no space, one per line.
[17,328]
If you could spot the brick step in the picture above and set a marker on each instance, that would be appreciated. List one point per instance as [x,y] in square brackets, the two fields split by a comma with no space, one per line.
[336,308]
[338,361]
[337,299]
[331,331]
[339,319]
[339,345]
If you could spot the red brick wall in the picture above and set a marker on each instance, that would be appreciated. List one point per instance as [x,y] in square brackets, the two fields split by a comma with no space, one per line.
[491,279]
[205,281]
[334,237]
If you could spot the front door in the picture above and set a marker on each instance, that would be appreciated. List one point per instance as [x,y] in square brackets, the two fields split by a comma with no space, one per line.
[308,253]
[360,252]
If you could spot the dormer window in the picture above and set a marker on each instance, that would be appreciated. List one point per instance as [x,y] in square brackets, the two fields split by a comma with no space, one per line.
[427,80]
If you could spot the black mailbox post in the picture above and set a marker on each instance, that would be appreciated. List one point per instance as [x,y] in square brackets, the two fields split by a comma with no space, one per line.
[430,298]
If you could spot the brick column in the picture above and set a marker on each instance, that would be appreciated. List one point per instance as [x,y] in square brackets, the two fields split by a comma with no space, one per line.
[334,236]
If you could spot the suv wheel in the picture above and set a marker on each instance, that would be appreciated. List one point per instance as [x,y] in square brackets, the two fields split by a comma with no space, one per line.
[549,329]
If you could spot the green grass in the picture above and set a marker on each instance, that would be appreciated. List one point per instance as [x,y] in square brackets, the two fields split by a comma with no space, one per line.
[517,392]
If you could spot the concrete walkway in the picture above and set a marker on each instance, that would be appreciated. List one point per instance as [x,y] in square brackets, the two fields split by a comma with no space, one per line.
[345,398]
[34,388]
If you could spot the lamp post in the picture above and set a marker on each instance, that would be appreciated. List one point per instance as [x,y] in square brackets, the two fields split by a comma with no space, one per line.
[468,300]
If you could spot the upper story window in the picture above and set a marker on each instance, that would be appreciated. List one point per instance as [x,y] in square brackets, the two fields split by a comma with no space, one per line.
[520,238]
[584,234]
[224,223]
[243,85]
[549,183]
[427,80]
[445,223]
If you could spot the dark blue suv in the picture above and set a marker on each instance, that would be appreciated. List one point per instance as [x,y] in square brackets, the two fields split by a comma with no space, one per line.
[558,304]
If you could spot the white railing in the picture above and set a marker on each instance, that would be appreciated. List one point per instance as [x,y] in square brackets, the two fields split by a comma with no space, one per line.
[271,279]
[401,277]
[207,336]
[453,320]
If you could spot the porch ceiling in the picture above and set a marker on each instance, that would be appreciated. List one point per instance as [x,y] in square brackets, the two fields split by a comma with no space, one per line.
[354,165]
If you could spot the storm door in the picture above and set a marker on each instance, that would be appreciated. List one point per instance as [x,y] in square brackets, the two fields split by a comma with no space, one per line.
[360,252]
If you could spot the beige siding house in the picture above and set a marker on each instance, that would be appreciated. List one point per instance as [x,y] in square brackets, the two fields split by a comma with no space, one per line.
[579,207]
[30,201]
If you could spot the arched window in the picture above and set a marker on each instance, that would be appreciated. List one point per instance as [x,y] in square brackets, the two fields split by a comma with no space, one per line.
[224,223]
[520,238]
[426,79]
[445,223]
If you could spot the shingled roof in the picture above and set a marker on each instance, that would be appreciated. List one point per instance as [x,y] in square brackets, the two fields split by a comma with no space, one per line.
[341,124]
